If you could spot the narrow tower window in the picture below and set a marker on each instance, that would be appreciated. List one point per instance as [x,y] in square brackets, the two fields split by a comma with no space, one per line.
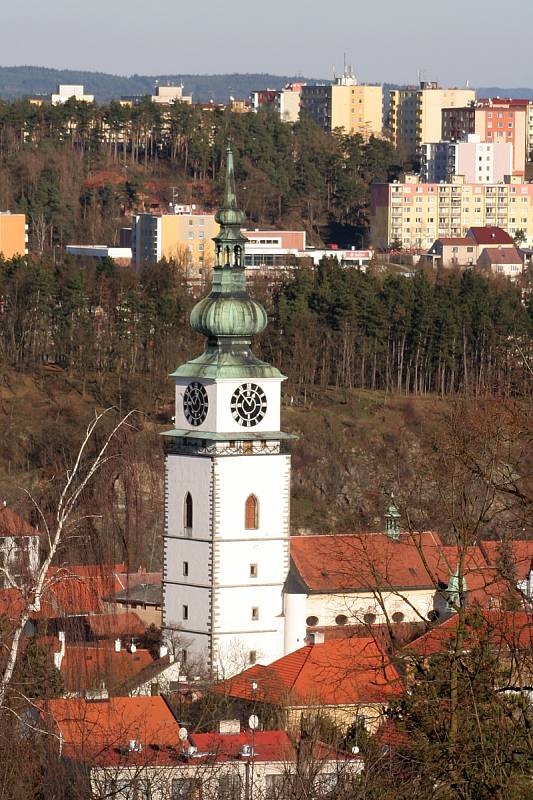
[187,512]
[251,513]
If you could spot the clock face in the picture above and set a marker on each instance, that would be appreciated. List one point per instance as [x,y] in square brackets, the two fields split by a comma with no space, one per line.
[195,403]
[248,405]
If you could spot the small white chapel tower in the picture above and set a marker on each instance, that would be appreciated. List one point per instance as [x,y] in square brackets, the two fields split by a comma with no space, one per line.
[226,553]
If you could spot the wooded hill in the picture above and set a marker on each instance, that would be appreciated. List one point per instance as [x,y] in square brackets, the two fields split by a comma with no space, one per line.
[21,81]
[78,170]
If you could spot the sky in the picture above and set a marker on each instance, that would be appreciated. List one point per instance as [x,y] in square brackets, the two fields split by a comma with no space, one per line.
[451,41]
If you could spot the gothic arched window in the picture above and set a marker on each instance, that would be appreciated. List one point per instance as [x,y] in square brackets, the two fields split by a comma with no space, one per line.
[237,252]
[187,512]
[251,513]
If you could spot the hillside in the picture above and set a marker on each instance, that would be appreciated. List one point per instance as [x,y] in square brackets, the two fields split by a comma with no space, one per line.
[16,82]
[353,447]
[20,81]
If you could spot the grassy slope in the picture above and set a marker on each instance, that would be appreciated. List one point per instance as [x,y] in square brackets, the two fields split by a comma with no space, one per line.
[353,446]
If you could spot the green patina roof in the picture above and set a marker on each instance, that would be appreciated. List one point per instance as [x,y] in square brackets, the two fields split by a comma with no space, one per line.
[239,436]
[228,317]
[218,363]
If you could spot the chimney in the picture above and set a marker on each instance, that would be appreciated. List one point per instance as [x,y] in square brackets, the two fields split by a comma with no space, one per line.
[118,645]
[316,637]
[163,651]
[58,657]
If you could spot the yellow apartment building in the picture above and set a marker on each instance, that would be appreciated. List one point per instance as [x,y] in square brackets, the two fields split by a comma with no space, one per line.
[345,104]
[414,214]
[13,234]
[184,237]
[415,114]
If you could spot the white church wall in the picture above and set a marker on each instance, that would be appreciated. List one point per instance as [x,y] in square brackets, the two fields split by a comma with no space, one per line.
[413,604]
[189,474]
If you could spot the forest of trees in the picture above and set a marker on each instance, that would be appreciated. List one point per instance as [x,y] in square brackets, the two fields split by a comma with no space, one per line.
[329,326]
[78,169]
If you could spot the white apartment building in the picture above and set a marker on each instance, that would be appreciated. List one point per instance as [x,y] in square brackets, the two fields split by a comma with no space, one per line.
[477,161]
[70,91]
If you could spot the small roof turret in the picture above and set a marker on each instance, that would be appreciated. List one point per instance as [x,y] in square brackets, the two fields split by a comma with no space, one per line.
[392,520]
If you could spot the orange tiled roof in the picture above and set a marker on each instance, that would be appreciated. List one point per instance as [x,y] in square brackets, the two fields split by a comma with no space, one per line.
[105,626]
[86,667]
[520,552]
[88,728]
[365,561]
[13,525]
[504,628]
[337,672]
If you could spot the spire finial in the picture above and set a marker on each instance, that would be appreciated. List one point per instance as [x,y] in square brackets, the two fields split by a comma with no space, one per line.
[230,195]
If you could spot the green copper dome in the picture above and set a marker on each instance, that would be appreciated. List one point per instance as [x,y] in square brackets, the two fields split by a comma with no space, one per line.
[228,310]
[228,317]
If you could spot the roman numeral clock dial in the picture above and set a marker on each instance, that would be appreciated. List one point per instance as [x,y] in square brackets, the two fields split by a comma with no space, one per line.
[248,405]
[195,403]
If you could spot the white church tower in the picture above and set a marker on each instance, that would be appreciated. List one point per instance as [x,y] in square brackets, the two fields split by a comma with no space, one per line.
[226,554]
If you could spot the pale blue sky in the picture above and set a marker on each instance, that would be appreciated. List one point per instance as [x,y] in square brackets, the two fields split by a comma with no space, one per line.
[386,40]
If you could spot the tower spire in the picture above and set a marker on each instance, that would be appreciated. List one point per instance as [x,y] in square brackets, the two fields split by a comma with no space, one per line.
[228,317]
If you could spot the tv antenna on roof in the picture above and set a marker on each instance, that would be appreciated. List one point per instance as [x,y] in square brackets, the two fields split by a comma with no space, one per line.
[253,722]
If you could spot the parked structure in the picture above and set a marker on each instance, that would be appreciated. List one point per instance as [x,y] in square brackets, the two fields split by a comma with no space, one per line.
[415,114]
[414,214]
[476,161]
[13,234]
[345,104]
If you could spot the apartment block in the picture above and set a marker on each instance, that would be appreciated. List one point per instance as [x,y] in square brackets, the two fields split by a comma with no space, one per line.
[183,237]
[415,214]
[477,161]
[345,104]
[416,114]
[13,235]
[494,120]
[70,91]
[286,101]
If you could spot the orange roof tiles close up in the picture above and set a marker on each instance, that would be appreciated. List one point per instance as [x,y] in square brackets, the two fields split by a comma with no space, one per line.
[87,668]
[337,672]
[89,728]
[509,629]
[13,525]
[105,626]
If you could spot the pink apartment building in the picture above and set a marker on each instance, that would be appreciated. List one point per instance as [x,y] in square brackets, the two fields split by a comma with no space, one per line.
[494,120]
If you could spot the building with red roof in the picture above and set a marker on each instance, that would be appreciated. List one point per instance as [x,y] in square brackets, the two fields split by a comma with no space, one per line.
[136,744]
[504,630]
[348,678]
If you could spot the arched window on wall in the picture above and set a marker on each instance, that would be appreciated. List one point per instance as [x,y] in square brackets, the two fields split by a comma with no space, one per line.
[251,513]
[187,513]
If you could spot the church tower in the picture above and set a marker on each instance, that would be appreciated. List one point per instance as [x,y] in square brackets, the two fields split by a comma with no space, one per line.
[226,550]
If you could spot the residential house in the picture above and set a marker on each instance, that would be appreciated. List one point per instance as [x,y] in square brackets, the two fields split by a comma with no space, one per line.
[348,679]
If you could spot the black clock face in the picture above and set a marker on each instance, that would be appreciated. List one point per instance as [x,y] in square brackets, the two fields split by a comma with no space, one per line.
[248,405]
[195,403]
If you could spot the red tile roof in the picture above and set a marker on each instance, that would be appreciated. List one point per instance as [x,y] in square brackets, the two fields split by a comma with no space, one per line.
[503,628]
[106,626]
[338,672]
[90,728]
[490,235]
[85,667]
[367,561]
[270,746]
[502,255]
[13,525]
[520,552]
